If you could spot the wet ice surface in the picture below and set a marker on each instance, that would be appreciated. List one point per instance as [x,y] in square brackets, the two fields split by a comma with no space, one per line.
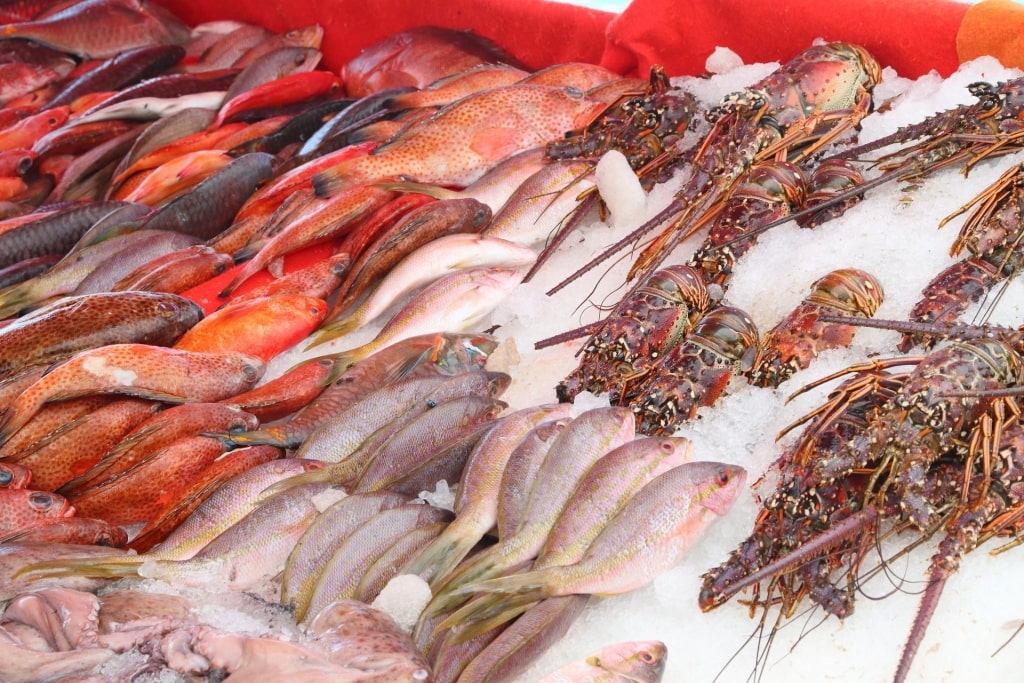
[894,236]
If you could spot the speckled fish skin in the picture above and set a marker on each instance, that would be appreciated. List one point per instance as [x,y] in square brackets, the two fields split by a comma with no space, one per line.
[21,508]
[138,494]
[83,442]
[97,29]
[286,393]
[134,252]
[356,632]
[476,506]
[447,89]
[71,530]
[340,576]
[157,432]
[140,370]
[48,422]
[642,661]
[327,531]
[461,141]
[89,321]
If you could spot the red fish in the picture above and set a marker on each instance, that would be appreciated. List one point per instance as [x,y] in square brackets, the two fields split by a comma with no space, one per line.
[21,508]
[286,394]
[152,372]
[463,140]
[25,132]
[291,89]
[71,530]
[14,476]
[261,327]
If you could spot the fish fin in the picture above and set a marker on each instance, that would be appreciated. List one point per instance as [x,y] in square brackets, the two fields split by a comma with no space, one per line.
[529,582]
[328,182]
[276,267]
[116,567]
[437,558]
[409,186]
[328,332]
[328,474]
[15,298]
[258,437]
[489,612]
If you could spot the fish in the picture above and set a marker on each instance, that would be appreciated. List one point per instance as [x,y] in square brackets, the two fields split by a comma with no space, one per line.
[286,393]
[175,272]
[136,249]
[520,473]
[357,553]
[21,508]
[429,263]
[421,356]
[80,444]
[71,530]
[291,89]
[176,176]
[580,75]
[476,506]
[649,536]
[642,661]
[319,279]
[418,57]
[447,89]
[157,432]
[24,133]
[15,558]
[262,327]
[456,302]
[14,476]
[97,29]
[277,64]
[316,546]
[122,69]
[389,563]
[77,323]
[418,227]
[463,140]
[142,370]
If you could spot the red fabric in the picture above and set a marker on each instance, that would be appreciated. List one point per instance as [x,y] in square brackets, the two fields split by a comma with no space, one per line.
[913,36]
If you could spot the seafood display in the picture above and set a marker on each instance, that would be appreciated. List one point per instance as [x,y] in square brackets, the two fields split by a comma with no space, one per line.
[299,335]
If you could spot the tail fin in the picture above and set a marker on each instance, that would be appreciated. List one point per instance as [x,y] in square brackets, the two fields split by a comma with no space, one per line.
[488,612]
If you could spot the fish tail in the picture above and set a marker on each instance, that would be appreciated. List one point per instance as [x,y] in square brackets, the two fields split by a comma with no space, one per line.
[490,612]
[14,299]
[436,560]
[333,330]
[331,474]
[529,583]
[116,567]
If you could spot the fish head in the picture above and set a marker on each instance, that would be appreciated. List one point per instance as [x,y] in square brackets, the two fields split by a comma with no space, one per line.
[722,489]
[639,660]
[46,504]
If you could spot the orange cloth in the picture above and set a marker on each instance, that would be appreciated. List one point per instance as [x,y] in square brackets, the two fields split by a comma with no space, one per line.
[993,27]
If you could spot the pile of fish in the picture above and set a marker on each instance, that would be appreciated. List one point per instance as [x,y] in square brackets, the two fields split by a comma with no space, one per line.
[179,208]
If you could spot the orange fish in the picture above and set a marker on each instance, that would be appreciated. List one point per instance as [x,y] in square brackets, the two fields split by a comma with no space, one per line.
[175,177]
[261,327]
[287,393]
[290,89]
[25,132]
[466,138]
[21,508]
[153,372]
[195,142]
[46,423]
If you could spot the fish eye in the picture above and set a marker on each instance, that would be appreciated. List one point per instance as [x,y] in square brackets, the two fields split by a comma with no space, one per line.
[6,476]
[250,372]
[41,500]
[647,657]
[723,477]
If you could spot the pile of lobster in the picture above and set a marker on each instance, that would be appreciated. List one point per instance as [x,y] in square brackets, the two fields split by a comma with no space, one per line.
[914,445]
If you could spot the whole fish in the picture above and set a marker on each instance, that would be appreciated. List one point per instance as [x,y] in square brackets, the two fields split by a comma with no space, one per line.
[305,36]
[77,323]
[137,249]
[577,447]
[176,176]
[276,65]
[82,443]
[421,439]
[418,227]
[155,433]
[461,141]
[142,370]
[210,207]
[429,263]
[286,393]
[294,88]
[456,302]
[319,279]
[324,535]
[418,57]
[21,508]
[261,327]
[176,272]
[649,536]
[356,554]
[642,661]
[97,29]
[521,472]
[476,506]
[124,68]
